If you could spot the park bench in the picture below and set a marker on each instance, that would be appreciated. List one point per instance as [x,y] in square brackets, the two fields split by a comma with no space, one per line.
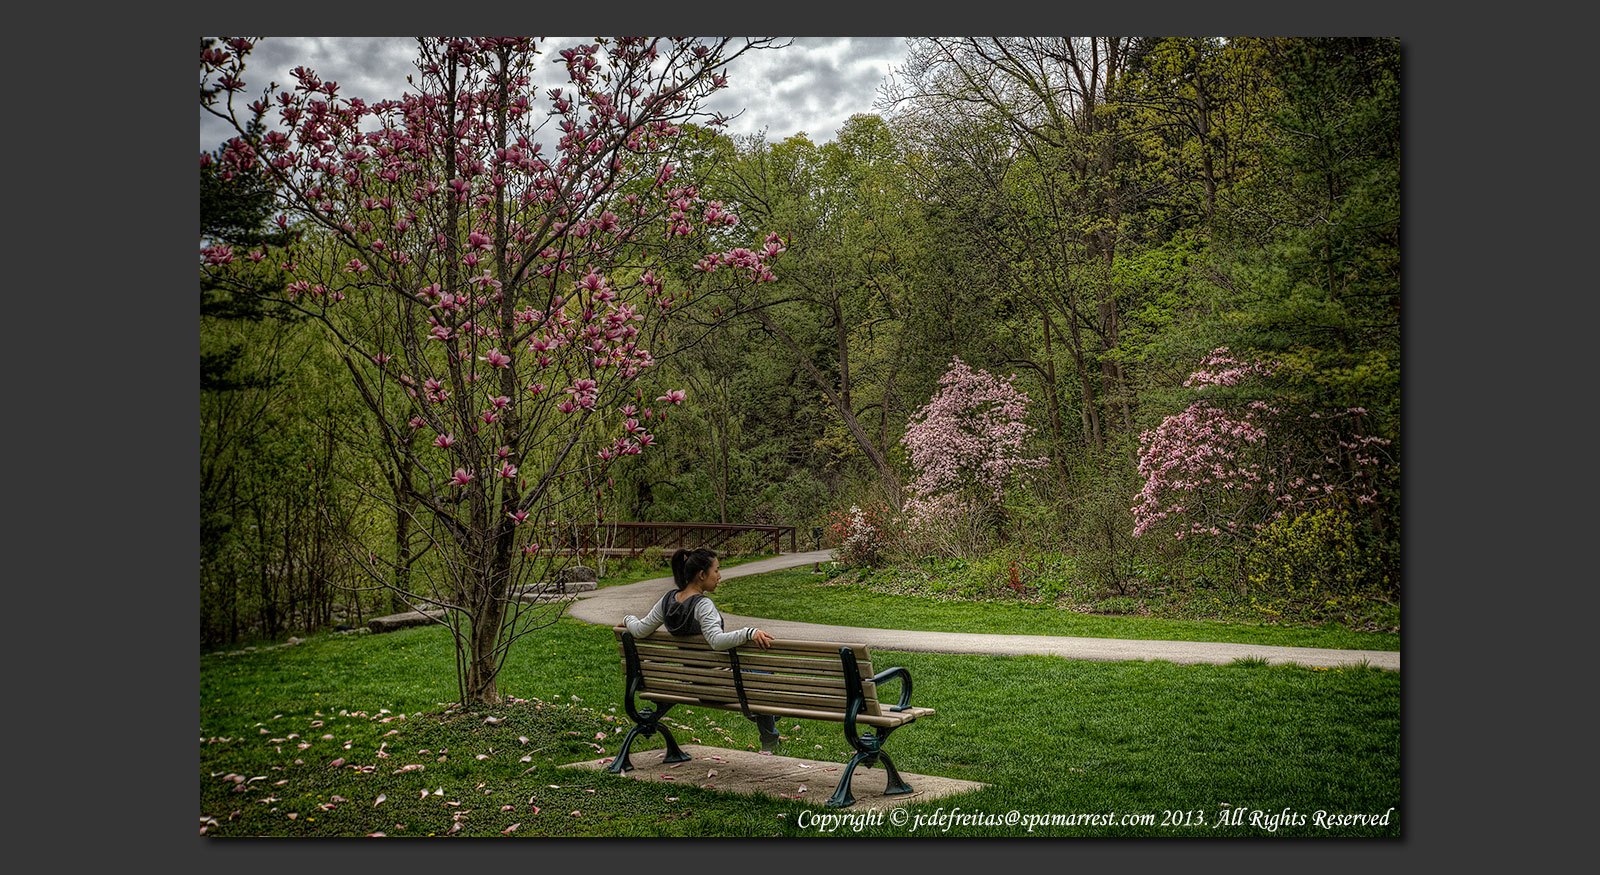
[811,680]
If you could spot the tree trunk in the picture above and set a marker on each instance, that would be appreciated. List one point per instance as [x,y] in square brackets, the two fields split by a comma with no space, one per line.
[1053,400]
[880,462]
[1090,409]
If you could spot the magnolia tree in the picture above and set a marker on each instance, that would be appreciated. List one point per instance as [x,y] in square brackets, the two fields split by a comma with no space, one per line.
[965,446]
[494,300]
[1228,465]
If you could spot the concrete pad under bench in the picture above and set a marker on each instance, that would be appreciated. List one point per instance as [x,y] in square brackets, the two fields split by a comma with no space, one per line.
[778,776]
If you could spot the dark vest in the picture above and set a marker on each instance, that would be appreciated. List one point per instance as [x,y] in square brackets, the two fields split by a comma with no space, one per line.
[680,618]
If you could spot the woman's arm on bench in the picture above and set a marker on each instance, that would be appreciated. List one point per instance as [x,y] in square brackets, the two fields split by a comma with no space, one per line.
[651,622]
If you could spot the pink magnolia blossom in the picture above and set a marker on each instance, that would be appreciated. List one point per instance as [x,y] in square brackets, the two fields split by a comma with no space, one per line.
[1213,469]
[373,175]
[968,439]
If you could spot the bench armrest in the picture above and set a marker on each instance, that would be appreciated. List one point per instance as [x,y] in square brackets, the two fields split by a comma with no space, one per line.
[905,685]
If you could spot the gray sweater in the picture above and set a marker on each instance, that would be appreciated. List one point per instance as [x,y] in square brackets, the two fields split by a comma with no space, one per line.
[704,611]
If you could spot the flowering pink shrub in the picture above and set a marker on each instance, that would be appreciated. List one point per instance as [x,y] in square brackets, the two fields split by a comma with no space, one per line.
[1227,469]
[965,445]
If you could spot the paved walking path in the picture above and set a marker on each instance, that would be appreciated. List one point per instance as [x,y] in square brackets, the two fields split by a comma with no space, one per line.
[607,606]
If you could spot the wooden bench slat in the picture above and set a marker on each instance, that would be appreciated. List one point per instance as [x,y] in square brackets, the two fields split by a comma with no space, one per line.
[751,679]
[724,681]
[818,692]
[755,697]
[713,668]
[753,659]
[780,647]
[887,719]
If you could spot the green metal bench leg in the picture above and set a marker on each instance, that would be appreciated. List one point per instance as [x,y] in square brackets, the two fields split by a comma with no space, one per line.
[622,763]
[895,785]
[841,795]
[675,754]
[647,723]
[869,750]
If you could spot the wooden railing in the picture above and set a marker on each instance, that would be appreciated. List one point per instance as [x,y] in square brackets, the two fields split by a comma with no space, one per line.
[632,539]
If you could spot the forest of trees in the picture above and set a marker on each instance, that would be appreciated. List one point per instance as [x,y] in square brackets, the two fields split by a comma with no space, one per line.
[1183,253]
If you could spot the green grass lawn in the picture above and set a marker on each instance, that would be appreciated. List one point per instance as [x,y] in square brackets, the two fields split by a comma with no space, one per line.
[803,596]
[306,740]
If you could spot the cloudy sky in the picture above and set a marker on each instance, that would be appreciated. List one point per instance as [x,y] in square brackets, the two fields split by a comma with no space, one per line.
[813,84]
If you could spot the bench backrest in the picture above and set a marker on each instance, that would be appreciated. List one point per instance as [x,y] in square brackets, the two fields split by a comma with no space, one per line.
[795,676]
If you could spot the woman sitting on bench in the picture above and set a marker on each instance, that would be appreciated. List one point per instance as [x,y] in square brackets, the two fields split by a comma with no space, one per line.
[688,611]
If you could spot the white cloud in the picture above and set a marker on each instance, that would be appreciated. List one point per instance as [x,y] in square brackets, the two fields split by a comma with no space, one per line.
[812,84]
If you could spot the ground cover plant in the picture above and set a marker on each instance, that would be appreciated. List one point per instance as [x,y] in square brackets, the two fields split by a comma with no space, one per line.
[353,735]
[895,598]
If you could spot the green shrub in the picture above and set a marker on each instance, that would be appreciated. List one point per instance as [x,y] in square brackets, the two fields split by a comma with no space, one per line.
[1323,565]
[655,556]
[1053,574]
